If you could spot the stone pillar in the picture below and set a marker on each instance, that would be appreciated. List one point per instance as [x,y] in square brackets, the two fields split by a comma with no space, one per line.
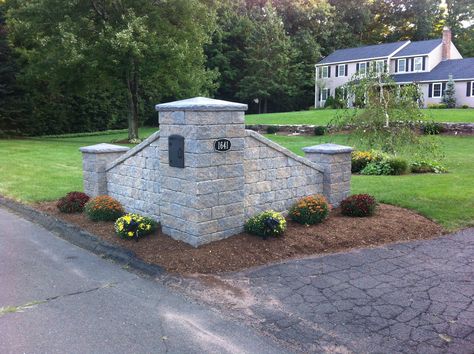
[202,197]
[94,160]
[336,161]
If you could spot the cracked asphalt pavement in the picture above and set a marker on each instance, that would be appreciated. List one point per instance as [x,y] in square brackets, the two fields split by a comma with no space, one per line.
[58,298]
[414,297]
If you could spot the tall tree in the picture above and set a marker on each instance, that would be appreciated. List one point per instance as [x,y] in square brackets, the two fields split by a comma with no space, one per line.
[404,19]
[465,41]
[268,59]
[226,52]
[351,20]
[10,94]
[459,14]
[148,50]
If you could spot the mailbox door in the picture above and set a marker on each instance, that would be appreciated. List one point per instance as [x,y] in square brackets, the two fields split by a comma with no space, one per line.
[176,151]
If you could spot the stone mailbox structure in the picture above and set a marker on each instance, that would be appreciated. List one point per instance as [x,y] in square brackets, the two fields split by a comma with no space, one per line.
[203,175]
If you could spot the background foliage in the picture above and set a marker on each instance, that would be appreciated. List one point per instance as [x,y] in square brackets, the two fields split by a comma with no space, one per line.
[73,66]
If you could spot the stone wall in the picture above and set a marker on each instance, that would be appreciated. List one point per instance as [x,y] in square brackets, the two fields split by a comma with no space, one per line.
[275,177]
[202,201]
[134,178]
[307,129]
[203,175]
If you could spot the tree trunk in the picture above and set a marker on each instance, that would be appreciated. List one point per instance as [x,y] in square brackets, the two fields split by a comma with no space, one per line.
[132,95]
[265,105]
[384,102]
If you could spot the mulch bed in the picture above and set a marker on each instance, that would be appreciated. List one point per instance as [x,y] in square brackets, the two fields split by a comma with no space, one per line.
[337,233]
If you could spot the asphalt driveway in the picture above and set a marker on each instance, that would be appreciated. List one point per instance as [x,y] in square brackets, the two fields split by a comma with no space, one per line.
[58,298]
[414,297]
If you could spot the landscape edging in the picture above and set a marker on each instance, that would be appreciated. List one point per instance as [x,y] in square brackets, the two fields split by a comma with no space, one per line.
[81,238]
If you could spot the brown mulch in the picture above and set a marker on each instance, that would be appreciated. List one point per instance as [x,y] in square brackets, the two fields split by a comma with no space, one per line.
[337,233]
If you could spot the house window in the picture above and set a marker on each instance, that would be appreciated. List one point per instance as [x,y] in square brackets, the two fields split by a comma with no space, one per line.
[363,68]
[379,66]
[437,90]
[324,94]
[402,65]
[472,88]
[341,70]
[418,64]
[325,72]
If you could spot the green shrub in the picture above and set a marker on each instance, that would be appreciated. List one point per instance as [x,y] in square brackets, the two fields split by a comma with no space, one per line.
[330,102]
[268,223]
[319,130]
[424,166]
[73,202]
[131,225]
[310,210]
[432,128]
[398,165]
[377,168]
[360,159]
[437,105]
[464,106]
[103,208]
[272,129]
[359,205]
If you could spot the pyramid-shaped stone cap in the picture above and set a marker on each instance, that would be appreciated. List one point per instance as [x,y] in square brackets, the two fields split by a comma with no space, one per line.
[201,104]
[328,148]
[103,148]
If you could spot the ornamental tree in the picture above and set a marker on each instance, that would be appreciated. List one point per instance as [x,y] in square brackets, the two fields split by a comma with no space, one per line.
[449,97]
[390,116]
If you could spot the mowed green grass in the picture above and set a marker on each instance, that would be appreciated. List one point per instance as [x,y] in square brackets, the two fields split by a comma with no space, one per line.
[40,169]
[33,170]
[446,198]
[324,116]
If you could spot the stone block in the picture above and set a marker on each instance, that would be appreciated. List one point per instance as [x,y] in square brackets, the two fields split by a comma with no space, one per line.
[230,197]
[223,211]
[230,222]
[227,171]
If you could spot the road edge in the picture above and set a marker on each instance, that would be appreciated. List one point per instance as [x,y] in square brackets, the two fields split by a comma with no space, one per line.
[83,239]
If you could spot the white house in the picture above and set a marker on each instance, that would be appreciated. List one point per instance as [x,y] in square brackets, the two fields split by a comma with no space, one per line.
[428,63]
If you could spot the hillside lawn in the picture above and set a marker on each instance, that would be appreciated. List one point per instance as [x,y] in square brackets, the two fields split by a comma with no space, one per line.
[324,116]
[41,169]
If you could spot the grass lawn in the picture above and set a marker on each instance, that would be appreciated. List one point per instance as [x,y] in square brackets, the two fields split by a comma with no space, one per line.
[45,169]
[446,198]
[324,116]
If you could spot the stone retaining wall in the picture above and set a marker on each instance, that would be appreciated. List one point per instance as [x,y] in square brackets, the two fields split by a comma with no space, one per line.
[308,129]
[134,178]
[275,177]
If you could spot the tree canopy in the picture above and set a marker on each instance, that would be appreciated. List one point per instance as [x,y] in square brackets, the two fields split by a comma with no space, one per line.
[69,65]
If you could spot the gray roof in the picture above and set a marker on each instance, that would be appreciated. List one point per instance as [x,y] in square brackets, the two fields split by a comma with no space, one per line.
[418,48]
[367,52]
[459,68]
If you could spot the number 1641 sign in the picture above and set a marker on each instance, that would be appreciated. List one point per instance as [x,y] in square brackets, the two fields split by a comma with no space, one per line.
[222,145]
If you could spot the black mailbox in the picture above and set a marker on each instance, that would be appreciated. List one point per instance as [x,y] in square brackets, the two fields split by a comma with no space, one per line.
[176,150]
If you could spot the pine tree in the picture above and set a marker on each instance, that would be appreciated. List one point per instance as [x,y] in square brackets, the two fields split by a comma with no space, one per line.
[268,61]
[449,97]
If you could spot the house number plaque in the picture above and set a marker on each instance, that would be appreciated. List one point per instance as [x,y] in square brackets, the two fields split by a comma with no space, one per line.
[222,145]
